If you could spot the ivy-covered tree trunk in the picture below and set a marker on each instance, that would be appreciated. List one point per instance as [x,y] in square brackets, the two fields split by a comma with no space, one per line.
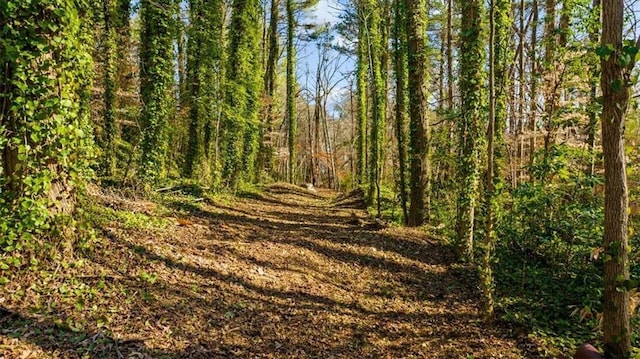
[499,63]
[418,122]
[379,99]
[181,54]
[362,70]
[469,124]
[240,122]
[291,90]
[533,87]
[551,74]
[450,55]
[402,108]
[204,61]
[617,62]
[46,146]
[127,99]
[156,84]
[593,106]
[267,152]
[110,87]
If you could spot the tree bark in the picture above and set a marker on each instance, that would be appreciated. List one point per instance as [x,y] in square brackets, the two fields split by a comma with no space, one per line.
[469,125]
[401,110]
[291,84]
[418,121]
[615,83]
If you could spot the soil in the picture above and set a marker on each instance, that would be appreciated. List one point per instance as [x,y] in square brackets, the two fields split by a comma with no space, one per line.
[287,273]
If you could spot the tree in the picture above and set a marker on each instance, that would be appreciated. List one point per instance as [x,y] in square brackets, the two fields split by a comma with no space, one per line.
[291,89]
[110,87]
[617,60]
[242,91]
[156,84]
[362,69]
[402,109]
[418,122]
[204,65]
[469,124]
[499,62]
[533,76]
[46,146]
[377,50]
[266,159]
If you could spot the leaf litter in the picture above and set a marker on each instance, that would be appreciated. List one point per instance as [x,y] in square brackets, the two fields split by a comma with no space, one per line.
[289,273]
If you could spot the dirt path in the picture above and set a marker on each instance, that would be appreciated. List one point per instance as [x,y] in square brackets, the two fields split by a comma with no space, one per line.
[285,274]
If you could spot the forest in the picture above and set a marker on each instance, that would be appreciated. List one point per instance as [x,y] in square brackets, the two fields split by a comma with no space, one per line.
[319,179]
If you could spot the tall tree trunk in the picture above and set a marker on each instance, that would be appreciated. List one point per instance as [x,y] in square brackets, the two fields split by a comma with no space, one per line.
[181,59]
[291,90]
[378,87]
[615,83]
[418,121]
[400,61]
[45,85]
[499,63]
[194,50]
[361,90]
[240,126]
[270,90]
[317,114]
[110,87]
[450,81]
[592,109]
[533,78]
[156,77]
[517,123]
[550,74]
[469,127]
[486,275]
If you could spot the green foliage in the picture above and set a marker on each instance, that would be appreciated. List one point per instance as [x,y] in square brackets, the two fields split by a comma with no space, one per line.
[205,76]
[108,142]
[548,256]
[46,145]
[361,88]
[240,126]
[469,125]
[390,206]
[377,49]
[156,77]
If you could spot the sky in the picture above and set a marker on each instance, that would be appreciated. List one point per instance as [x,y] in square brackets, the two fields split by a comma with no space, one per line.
[325,12]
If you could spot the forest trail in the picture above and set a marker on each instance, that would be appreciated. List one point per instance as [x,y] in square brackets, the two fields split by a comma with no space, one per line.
[282,274]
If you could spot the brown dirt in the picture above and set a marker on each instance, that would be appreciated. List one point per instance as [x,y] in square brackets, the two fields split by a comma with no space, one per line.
[284,274]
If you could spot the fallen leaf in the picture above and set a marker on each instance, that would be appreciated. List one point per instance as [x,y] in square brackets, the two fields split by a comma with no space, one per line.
[184,222]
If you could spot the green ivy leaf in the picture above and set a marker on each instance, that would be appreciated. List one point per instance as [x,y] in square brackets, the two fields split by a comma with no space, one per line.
[616,85]
[605,51]
[631,284]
